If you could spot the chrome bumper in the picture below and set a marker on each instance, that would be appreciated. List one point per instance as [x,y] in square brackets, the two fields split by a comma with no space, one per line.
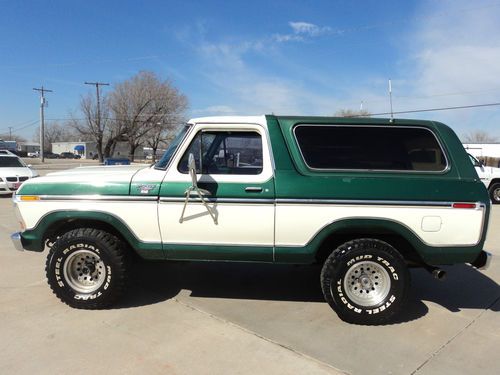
[16,240]
[483,261]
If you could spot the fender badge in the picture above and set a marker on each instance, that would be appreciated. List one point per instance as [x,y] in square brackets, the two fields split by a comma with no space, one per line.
[145,189]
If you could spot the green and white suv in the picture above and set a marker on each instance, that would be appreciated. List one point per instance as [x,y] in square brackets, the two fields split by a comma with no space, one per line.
[366,198]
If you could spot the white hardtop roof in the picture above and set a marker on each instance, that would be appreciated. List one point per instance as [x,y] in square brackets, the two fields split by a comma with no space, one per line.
[261,120]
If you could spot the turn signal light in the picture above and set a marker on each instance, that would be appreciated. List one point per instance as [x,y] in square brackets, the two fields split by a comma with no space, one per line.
[29,197]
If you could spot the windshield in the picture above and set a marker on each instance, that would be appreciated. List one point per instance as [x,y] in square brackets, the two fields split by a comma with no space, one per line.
[11,162]
[165,159]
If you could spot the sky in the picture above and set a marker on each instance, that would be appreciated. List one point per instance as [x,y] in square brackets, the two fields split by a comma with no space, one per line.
[258,57]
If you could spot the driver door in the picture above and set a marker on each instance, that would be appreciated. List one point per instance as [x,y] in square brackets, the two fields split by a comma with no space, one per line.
[234,174]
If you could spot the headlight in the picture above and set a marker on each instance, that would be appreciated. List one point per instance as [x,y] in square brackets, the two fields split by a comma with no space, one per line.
[1,179]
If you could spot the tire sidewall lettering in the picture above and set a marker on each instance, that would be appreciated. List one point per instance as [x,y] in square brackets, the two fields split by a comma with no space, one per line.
[58,273]
[348,263]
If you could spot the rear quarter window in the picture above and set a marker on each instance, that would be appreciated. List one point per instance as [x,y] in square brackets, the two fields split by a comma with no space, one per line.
[379,148]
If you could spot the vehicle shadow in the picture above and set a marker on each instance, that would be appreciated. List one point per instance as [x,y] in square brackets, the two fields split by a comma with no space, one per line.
[152,283]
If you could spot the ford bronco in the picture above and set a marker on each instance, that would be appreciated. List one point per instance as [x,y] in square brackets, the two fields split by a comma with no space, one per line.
[365,198]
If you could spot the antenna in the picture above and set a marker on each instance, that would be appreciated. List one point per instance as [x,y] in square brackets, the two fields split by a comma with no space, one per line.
[390,99]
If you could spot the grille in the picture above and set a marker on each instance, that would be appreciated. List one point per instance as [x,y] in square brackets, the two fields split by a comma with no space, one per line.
[23,178]
[12,179]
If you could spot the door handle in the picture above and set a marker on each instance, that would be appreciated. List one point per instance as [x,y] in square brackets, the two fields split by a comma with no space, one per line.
[253,189]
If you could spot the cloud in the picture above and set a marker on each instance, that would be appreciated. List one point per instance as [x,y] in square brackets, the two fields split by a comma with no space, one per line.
[444,57]
[454,62]
[309,28]
[302,31]
[215,110]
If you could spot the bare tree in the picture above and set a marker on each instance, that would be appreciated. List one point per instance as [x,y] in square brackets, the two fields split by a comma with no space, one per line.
[12,137]
[95,123]
[56,132]
[143,102]
[352,113]
[159,135]
[479,136]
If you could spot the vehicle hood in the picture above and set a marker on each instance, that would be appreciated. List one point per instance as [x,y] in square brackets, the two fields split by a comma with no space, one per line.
[102,180]
[493,171]
[21,172]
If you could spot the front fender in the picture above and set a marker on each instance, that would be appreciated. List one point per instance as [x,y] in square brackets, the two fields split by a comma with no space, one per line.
[34,239]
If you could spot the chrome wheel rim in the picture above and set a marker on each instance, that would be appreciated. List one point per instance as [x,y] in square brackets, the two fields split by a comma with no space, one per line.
[84,271]
[496,195]
[367,283]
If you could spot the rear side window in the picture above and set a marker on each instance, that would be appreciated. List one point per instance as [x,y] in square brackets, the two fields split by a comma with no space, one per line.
[370,148]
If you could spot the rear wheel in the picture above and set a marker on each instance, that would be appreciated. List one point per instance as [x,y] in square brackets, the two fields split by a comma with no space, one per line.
[495,193]
[365,281]
[87,268]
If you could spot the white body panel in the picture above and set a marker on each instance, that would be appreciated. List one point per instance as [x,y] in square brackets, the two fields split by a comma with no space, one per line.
[238,224]
[139,216]
[297,224]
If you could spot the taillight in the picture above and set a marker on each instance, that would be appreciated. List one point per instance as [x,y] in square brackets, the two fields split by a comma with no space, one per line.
[464,205]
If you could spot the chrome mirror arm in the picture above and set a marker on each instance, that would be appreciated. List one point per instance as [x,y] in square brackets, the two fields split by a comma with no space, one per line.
[201,193]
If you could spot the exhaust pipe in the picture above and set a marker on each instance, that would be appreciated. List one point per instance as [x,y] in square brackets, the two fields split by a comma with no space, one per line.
[438,273]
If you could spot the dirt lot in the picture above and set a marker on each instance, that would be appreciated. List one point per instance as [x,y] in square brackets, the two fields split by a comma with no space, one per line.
[206,318]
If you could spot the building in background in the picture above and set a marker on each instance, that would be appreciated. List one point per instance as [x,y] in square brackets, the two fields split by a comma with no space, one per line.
[88,150]
[28,148]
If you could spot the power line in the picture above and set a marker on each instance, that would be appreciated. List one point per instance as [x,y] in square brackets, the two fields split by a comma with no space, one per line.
[434,109]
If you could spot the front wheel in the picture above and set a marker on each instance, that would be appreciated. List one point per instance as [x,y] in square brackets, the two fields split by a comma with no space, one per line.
[87,268]
[495,193]
[365,281]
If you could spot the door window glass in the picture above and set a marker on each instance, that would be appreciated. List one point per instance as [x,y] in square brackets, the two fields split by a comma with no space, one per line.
[223,152]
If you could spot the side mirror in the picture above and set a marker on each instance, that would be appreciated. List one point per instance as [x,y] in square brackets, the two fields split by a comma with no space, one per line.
[192,170]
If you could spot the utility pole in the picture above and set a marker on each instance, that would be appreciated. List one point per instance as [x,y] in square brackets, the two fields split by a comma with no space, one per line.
[42,120]
[98,114]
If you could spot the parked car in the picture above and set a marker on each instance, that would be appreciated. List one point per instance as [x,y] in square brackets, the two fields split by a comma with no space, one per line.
[366,198]
[13,172]
[69,155]
[51,155]
[490,177]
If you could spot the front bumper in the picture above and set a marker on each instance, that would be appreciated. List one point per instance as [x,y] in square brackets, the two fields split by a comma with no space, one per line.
[16,240]
[483,261]
[5,188]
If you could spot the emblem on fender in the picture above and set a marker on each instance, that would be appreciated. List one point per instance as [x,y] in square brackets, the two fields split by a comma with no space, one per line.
[145,189]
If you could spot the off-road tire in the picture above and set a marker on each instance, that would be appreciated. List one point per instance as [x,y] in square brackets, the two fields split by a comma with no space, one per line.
[494,191]
[87,268]
[359,267]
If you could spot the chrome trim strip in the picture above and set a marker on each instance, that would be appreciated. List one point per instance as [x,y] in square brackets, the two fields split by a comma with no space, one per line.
[138,198]
[96,198]
[445,170]
[218,200]
[365,202]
